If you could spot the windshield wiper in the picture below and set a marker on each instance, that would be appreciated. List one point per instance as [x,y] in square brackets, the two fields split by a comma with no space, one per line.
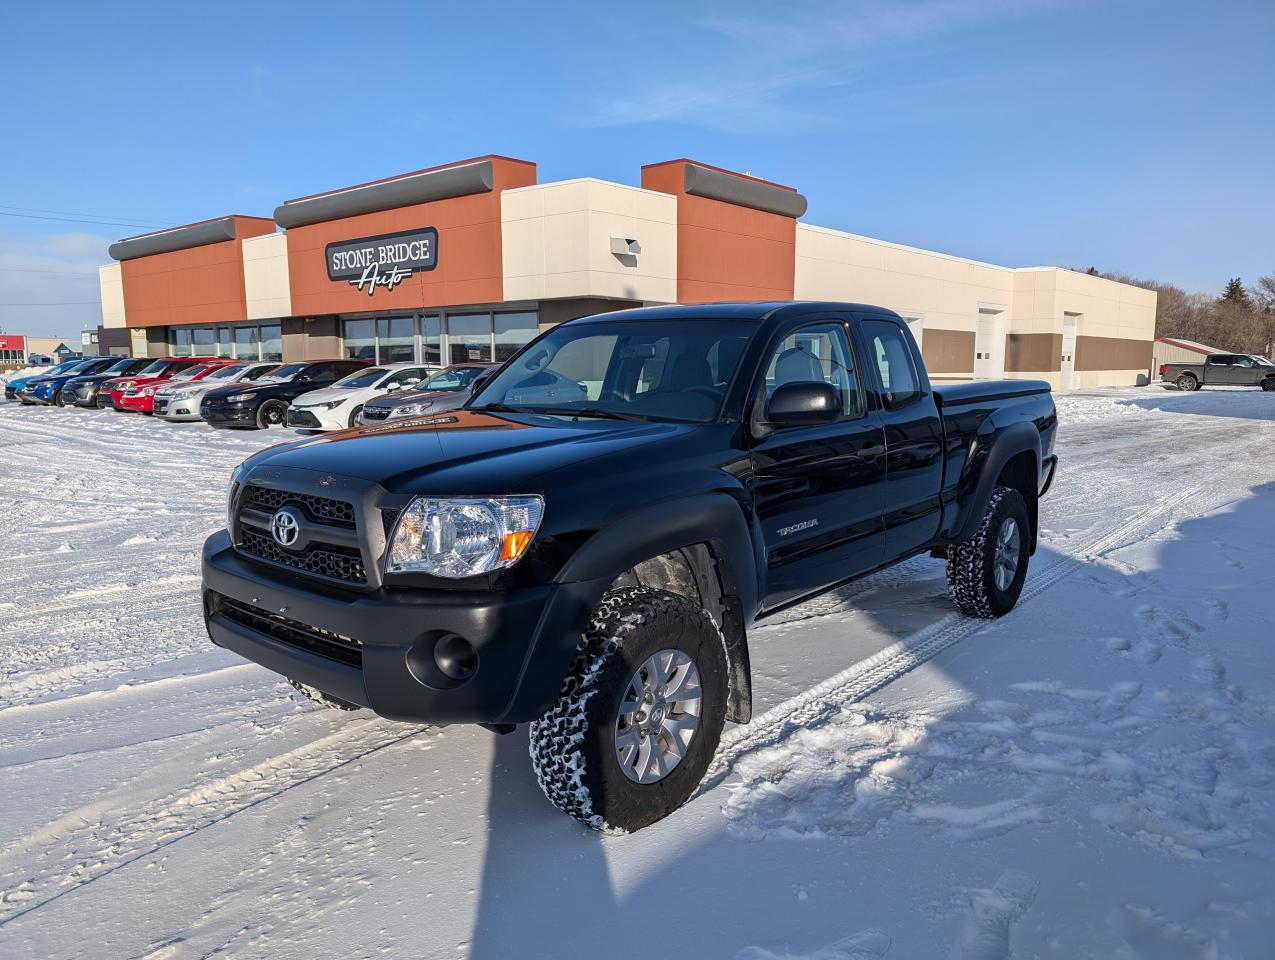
[599,412]
[500,408]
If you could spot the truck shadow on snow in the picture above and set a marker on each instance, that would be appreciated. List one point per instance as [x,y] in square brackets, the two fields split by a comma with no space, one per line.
[803,847]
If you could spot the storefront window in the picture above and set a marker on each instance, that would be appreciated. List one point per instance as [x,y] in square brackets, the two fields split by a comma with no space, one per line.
[513,332]
[469,338]
[203,341]
[271,342]
[223,342]
[181,342]
[431,340]
[246,343]
[397,340]
[360,340]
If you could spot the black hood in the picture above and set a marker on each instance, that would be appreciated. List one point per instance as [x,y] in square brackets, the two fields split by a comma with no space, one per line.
[473,453]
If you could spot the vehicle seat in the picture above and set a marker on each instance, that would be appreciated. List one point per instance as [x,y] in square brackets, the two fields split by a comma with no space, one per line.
[690,371]
[796,365]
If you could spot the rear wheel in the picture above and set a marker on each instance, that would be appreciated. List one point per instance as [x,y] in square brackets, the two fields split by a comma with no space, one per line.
[640,712]
[315,695]
[272,413]
[1187,383]
[985,573]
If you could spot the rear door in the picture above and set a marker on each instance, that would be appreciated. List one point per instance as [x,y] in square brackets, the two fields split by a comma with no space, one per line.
[913,432]
[818,489]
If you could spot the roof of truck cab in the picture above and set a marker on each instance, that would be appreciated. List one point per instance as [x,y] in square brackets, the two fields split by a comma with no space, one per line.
[756,310]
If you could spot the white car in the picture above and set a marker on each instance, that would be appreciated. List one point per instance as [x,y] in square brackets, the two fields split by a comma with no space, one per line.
[176,400]
[338,406]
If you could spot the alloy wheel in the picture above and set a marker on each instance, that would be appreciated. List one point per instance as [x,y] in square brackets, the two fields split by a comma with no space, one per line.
[1005,559]
[658,716]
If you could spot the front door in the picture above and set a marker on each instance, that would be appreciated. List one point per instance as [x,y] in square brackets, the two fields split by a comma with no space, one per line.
[989,344]
[819,489]
[1067,365]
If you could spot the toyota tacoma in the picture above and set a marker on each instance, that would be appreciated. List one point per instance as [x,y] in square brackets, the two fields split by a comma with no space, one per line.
[589,561]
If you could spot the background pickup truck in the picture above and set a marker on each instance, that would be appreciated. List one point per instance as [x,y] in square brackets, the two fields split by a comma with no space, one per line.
[589,559]
[1221,369]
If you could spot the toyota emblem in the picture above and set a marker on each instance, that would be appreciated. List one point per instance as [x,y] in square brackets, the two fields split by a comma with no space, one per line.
[284,527]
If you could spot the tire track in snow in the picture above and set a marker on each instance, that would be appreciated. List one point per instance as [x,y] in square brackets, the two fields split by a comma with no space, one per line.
[104,836]
[825,699]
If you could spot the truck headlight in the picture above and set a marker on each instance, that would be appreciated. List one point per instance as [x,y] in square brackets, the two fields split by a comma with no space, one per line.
[463,537]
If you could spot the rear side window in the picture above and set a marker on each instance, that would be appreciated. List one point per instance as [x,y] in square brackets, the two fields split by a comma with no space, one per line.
[900,384]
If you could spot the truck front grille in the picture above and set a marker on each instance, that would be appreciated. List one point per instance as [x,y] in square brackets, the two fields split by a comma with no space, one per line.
[322,559]
[334,646]
[338,513]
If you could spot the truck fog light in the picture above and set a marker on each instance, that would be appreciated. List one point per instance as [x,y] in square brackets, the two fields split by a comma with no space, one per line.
[455,657]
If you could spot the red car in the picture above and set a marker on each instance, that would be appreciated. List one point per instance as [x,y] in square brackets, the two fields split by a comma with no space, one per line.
[130,393]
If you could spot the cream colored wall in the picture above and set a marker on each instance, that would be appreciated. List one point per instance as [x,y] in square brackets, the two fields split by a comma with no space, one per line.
[265,277]
[111,283]
[556,242]
[1106,308]
[945,290]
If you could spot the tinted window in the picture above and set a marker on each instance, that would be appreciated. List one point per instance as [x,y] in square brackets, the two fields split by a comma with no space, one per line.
[900,384]
[1220,360]
[819,353]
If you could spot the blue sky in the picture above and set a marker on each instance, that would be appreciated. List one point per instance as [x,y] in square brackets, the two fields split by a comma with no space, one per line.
[1133,135]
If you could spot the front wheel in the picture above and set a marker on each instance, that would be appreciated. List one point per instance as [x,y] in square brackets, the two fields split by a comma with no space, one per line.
[985,573]
[639,715]
[59,398]
[272,413]
[1269,384]
[354,416]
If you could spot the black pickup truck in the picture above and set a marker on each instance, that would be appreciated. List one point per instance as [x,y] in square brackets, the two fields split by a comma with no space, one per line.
[589,560]
[1221,370]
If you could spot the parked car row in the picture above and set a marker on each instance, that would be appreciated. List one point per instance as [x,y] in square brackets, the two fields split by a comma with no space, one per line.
[310,395]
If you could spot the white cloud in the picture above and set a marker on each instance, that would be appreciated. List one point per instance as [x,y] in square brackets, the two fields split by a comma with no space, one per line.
[58,269]
[785,71]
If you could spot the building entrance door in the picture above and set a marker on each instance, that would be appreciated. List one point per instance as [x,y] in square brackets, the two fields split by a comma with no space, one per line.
[989,344]
[1067,377]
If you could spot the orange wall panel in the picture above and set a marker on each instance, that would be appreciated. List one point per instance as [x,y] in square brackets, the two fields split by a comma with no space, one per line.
[469,263]
[726,251]
[197,285]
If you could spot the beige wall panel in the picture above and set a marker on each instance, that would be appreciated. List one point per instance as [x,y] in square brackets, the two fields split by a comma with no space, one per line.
[111,283]
[556,242]
[265,275]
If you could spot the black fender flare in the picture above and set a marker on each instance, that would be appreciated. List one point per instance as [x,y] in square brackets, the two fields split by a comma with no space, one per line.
[714,519]
[994,451]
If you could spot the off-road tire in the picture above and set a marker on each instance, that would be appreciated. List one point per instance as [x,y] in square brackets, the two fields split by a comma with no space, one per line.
[971,580]
[354,416]
[314,695]
[266,411]
[1186,383]
[573,743]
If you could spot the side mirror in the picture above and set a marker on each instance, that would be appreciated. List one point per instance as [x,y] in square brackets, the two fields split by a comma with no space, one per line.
[804,404]
[393,387]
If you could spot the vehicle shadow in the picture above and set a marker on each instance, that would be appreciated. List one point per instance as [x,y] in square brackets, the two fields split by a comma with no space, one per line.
[1243,403]
[776,867]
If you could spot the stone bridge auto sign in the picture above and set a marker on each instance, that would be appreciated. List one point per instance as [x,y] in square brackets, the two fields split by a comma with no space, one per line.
[373,263]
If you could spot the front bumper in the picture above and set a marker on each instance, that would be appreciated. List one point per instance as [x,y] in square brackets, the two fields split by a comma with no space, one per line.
[309,418]
[228,414]
[169,409]
[137,403]
[376,649]
[82,395]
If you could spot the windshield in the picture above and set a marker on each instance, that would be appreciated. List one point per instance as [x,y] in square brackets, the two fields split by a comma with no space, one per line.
[453,378]
[226,372]
[654,370]
[155,369]
[1264,361]
[261,373]
[361,378]
[286,372]
[64,367]
[190,372]
[119,366]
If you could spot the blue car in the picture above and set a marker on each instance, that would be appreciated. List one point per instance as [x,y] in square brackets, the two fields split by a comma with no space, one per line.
[47,388]
[13,386]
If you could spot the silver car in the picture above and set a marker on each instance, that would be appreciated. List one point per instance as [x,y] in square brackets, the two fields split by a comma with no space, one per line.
[180,401]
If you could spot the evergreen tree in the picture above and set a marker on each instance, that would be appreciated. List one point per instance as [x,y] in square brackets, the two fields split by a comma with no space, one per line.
[1235,293]
[1093,272]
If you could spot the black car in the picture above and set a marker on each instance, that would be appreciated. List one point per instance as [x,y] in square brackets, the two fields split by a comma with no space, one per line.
[590,560]
[264,403]
[83,391]
[448,389]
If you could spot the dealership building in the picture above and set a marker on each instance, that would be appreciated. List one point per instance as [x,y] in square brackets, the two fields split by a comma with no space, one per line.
[469,260]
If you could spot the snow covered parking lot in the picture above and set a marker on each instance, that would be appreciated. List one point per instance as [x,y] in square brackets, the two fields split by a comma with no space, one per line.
[1091,776]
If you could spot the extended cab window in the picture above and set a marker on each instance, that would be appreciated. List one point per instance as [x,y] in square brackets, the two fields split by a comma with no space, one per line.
[900,384]
[1220,360]
[818,353]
